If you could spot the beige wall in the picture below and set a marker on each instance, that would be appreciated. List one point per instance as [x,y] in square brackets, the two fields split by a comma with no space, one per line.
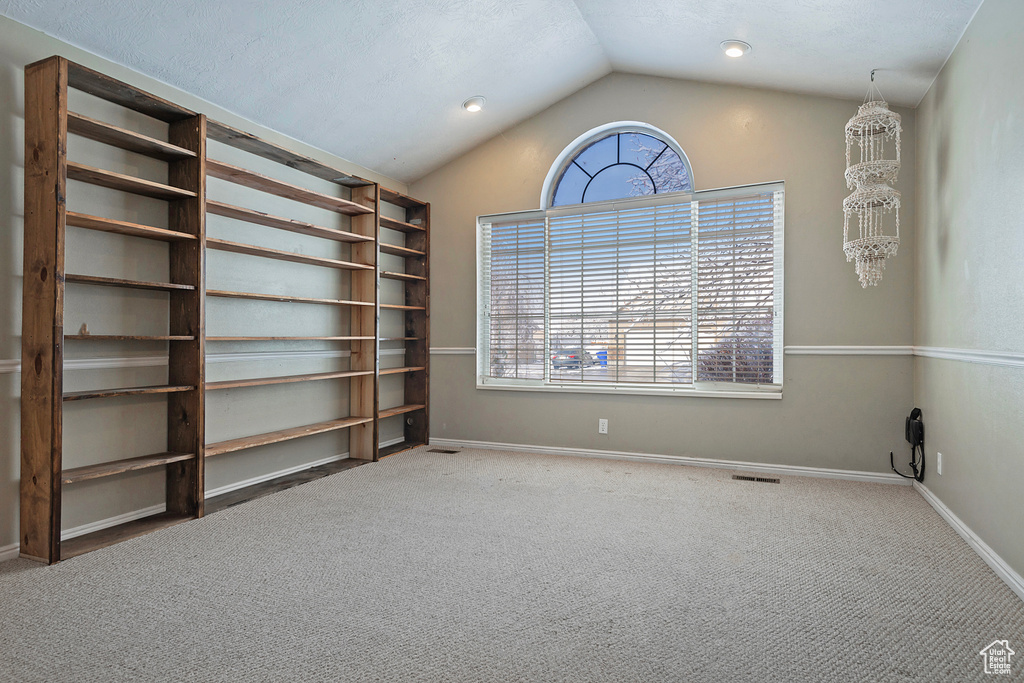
[136,426]
[837,411]
[970,275]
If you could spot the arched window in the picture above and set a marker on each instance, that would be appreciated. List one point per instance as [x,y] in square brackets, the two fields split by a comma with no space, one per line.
[626,159]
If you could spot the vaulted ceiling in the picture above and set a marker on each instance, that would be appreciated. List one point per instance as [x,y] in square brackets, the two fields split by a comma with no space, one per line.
[382,83]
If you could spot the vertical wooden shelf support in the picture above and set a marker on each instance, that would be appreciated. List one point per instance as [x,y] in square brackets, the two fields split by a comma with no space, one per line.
[364,394]
[46,136]
[186,360]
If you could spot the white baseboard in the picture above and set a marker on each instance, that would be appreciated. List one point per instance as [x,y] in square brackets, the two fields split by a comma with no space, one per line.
[787,470]
[228,488]
[1004,571]
[111,521]
[234,486]
[10,552]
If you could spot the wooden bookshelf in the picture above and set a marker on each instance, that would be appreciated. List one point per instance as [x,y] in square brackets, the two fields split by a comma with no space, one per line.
[354,198]
[408,239]
[48,123]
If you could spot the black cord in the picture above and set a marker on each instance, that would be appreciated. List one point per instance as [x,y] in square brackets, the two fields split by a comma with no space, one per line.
[917,475]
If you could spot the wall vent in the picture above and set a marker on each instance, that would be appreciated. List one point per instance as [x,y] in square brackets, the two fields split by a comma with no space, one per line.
[764,480]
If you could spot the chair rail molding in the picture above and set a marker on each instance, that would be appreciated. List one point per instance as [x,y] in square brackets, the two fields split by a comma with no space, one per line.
[849,350]
[1013,359]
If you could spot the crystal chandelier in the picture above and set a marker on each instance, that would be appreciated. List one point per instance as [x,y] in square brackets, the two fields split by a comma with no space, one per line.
[875,131]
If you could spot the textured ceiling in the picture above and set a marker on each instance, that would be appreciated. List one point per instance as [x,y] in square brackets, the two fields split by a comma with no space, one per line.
[382,83]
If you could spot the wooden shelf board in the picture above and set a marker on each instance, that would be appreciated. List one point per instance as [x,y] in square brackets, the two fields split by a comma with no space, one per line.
[265,252]
[112,90]
[125,183]
[271,221]
[396,371]
[125,139]
[404,252]
[284,379]
[244,442]
[399,307]
[81,220]
[248,142]
[225,339]
[402,276]
[398,448]
[128,337]
[258,181]
[127,391]
[284,298]
[120,282]
[399,410]
[399,199]
[401,226]
[107,469]
[115,534]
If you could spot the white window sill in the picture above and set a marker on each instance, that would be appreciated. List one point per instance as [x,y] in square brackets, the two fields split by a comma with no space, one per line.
[675,392]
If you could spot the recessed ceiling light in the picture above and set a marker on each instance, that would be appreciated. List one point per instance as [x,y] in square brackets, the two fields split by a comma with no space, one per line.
[735,48]
[475,103]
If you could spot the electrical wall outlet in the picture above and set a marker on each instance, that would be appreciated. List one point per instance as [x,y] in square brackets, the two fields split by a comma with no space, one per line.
[938,462]
[602,426]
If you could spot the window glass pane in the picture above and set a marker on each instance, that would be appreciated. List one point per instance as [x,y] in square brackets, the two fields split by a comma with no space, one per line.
[621,165]
[570,186]
[618,181]
[620,296]
[639,149]
[598,155]
[669,173]
[516,300]
[628,301]
[735,281]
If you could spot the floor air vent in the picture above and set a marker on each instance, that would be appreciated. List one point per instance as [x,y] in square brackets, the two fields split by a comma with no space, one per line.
[764,480]
[441,450]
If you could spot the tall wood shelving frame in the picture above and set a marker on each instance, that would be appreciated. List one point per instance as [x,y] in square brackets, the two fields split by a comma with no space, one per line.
[47,170]
[48,122]
[415,310]
[362,209]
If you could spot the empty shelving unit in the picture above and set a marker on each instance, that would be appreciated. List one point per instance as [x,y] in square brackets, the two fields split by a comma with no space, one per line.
[359,268]
[353,306]
[407,242]
[48,123]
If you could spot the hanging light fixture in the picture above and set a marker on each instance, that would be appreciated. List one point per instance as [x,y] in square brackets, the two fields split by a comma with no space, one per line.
[875,131]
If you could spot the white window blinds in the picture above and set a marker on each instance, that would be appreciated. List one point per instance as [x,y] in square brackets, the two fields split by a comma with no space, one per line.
[512,297]
[736,286]
[620,282]
[678,292]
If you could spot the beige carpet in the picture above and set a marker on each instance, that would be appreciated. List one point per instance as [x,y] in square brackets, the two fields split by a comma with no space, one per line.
[498,566]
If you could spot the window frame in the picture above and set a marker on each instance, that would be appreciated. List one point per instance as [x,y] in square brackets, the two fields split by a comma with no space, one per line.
[696,389]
